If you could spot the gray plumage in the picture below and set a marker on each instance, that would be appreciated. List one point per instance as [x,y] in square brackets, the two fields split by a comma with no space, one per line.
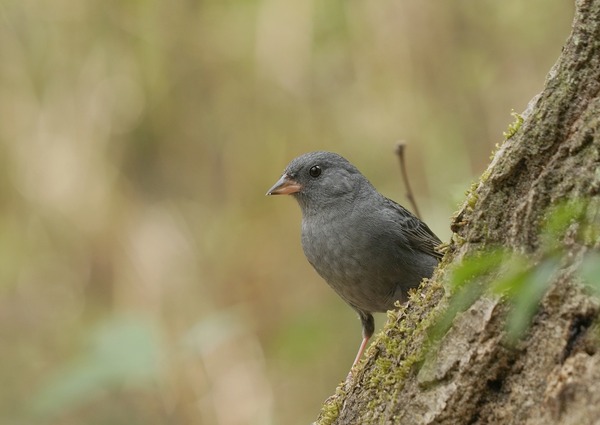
[368,248]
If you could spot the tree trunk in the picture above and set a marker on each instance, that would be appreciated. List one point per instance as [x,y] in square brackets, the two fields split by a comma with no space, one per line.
[473,374]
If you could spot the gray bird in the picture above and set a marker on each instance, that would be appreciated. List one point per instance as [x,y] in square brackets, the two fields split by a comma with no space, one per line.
[368,248]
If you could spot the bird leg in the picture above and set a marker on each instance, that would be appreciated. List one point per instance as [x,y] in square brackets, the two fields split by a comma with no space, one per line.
[361,350]
[368,327]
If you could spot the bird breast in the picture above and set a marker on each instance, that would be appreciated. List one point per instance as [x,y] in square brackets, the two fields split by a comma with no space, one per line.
[356,258]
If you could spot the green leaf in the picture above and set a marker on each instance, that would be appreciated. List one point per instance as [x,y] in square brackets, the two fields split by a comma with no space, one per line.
[590,272]
[477,266]
[525,301]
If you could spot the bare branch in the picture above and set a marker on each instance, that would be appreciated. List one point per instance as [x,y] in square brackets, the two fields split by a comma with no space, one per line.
[400,148]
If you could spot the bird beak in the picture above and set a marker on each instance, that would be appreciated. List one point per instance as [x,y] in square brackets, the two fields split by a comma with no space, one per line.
[285,186]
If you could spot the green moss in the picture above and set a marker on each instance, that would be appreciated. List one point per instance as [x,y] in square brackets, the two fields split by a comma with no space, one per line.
[472,201]
[393,362]
[514,126]
[411,324]
[401,345]
[458,240]
[331,408]
[510,132]
[472,197]
[486,175]
[471,190]
[496,147]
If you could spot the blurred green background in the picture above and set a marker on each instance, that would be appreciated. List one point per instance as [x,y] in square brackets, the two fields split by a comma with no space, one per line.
[145,277]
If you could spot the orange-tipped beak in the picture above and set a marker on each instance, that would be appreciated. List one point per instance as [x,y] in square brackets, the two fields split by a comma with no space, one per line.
[285,186]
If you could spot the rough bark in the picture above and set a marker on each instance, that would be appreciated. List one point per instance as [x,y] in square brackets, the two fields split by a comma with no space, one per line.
[472,375]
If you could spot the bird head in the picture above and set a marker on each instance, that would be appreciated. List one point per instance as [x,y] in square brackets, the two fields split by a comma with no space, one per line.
[319,178]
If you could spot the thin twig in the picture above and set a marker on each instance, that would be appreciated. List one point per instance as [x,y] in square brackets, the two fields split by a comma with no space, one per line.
[400,147]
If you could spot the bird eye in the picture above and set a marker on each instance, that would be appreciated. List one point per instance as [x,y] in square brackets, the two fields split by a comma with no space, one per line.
[315,171]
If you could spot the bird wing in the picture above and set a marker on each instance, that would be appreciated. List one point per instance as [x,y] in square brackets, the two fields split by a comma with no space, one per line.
[419,235]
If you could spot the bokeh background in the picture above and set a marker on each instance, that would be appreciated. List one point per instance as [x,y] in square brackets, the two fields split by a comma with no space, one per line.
[144,276]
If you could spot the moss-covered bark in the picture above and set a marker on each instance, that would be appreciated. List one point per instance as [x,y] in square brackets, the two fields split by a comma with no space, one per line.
[472,375]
